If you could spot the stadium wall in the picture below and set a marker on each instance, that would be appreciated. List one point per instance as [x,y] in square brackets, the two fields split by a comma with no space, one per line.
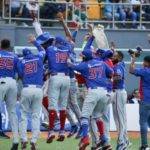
[122,38]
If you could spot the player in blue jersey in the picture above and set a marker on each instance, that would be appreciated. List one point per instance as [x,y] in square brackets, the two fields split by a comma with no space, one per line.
[57,52]
[8,86]
[30,70]
[95,73]
[72,105]
[144,111]
[102,124]
[120,100]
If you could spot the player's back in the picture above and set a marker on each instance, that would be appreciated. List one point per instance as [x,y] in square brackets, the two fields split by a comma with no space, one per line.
[57,59]
[8,64]
[31,70]
[97,73]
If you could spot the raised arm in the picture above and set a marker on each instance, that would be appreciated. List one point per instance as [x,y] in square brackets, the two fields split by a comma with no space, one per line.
[33,41]
[36,24]
[89,43]
[66,29]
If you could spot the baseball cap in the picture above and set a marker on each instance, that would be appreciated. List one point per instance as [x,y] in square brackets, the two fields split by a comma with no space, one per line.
[100,51]
[41,39]
[87,54]
[26,52]
[104,53]
[60,40]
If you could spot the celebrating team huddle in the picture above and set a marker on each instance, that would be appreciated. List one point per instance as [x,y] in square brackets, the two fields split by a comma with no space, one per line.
[97,80]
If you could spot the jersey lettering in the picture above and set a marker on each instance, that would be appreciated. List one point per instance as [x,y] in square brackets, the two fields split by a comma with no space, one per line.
[6,63]
[95,72]
[31,67]
[61,57]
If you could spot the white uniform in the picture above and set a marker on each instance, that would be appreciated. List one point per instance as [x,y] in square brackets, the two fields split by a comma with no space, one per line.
[72,102]
[58,90]
[8,92]
[31,102]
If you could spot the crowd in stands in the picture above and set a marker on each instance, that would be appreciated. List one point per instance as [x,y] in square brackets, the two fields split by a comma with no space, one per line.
[120,10]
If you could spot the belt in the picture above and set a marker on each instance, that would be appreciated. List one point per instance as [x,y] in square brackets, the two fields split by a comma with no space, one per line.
[118,89]
[61,74]
[6,78]
[93,88]
[32,86]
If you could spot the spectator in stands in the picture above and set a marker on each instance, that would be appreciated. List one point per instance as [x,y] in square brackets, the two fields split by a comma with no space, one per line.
[50,10]
[80,14]
[146,10]
[1,8]
[15,7]
[118,12]
[132,11]
[135,97]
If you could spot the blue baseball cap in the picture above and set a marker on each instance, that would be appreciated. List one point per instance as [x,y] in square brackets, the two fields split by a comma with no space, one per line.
[26,52]
[87,54]
[41,39]
[60,40]
[100,51]
[104,53]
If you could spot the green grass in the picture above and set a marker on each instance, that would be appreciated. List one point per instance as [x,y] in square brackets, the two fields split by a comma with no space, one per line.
[68,144]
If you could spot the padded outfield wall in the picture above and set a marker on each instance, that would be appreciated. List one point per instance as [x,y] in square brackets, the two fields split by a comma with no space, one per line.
[122,38]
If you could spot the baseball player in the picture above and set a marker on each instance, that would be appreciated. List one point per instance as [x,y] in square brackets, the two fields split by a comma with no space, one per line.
[95,73]
[72,99]
[119,100]
[102,124]
[59,83]
[8,87]
[30,70]
[57,55]
[144,111]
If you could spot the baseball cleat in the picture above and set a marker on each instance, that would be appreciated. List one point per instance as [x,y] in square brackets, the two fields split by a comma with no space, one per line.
[121,146]
[103,146]
[93,148]
[73,131]
[85,141]
[106,147]
[33,146]
[3,135]
[14,146]
[24,145]
[61,138]
[50,138]
[128,144]
[144,147]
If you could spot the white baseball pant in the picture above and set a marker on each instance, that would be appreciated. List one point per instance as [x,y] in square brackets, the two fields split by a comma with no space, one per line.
[8,92]
[31,101]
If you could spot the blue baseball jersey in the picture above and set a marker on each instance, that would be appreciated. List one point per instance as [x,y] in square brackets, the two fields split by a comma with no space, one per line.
[119,70]
[8,64]
[57,59]
[30,69]
[144,73]
[95,73]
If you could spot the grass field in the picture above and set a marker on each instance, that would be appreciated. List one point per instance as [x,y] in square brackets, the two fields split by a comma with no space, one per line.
[68,144]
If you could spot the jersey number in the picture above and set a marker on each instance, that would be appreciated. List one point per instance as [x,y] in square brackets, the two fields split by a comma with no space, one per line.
[31,67]
[6,63]
[61,57]
[95,72]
